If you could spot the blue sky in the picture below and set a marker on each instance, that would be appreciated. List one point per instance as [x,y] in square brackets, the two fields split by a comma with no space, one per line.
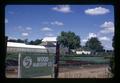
[38,21]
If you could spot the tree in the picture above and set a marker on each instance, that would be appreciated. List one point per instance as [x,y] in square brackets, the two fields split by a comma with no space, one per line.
[31,42]
[16,40]
[69,39]
[94,44]
[12,40]
[20,41]
[26,41]
[36,42]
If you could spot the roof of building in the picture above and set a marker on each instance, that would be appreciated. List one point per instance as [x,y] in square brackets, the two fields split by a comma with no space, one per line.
[48,44]
[23,45]
[49,39]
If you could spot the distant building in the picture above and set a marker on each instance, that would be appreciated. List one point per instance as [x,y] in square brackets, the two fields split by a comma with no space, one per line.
[83,51]
[22,47]
[50,44]
[49,41]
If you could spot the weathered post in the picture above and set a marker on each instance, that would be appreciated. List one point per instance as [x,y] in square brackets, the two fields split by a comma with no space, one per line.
[4,50]
[57,60]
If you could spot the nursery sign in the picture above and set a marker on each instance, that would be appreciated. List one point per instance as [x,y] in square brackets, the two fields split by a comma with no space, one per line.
[34,65]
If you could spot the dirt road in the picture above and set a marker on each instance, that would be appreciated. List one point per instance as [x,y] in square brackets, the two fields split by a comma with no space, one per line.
[96,71]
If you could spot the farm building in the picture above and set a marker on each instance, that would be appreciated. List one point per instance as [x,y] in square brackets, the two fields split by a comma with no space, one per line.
[50,44]
[49,41]
[21,47]
[83,51]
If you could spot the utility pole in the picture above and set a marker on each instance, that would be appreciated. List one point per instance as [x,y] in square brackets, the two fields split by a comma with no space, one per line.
[56,72]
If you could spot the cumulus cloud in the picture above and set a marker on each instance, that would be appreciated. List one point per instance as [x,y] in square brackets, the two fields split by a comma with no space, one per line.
[46,29]
[108,27]
[57,23]
[108,46]
[97,11]
[25,34]
[62,8]
[6,20]
[28,28]
[84,40]
[104,38]
[91,35]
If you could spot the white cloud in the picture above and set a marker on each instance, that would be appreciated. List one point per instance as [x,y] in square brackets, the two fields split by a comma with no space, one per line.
[104,38]
[108,46]
[6,20]
[46,29]
[62,8]
[108,27]
[91,35]
[57,23]
[25,34]
[28,28]
[84,40]
[22,29]
[97,11]
[107,24]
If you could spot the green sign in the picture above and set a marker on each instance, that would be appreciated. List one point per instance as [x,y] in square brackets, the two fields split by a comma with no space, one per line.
[36,65]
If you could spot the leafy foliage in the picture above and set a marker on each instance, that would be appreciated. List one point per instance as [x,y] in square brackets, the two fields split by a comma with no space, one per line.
[36,42]
[94,44]
[18,40]
[69,39]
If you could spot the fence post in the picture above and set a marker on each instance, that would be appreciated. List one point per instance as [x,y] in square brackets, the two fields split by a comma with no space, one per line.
[57,60]
[19,71]
[5,50]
